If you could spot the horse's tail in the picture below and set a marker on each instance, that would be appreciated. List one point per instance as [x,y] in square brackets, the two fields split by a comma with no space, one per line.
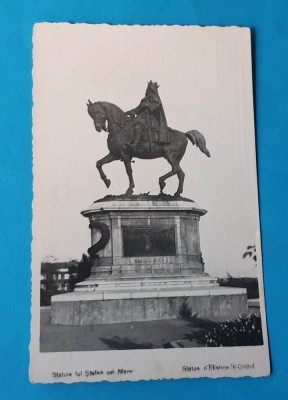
[197,138]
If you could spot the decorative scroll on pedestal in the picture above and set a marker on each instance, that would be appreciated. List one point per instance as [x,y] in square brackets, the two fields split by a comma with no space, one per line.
[105,237]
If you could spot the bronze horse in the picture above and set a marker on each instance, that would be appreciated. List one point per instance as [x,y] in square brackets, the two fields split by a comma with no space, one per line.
[112,119]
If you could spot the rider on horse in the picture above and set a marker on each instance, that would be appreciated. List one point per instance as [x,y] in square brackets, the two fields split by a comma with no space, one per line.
[149,117]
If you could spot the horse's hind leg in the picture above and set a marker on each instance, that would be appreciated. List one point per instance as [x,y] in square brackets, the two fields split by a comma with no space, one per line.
[176,169]
[175,166]
[163,178]
[105,160]
[181,177]
[180,174]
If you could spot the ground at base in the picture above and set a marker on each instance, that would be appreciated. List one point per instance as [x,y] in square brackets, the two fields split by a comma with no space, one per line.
[171,333]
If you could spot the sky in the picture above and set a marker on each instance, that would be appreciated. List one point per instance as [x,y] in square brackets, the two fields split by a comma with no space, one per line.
[205,83]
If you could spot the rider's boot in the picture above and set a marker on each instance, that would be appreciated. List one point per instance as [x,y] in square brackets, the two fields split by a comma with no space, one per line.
[137,137]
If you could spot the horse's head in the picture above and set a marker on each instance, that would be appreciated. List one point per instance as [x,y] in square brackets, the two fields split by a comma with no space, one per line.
[98,114]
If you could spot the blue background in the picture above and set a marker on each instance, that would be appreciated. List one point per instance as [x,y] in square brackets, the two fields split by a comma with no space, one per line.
[268,20]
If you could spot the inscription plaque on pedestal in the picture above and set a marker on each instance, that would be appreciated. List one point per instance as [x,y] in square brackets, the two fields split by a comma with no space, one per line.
[149,242]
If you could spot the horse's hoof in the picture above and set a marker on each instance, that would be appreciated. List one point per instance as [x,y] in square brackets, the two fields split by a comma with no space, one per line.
[107,183]
[129,192]
[177,194]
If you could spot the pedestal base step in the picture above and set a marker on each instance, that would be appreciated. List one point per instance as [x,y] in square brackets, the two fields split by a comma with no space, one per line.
[146,282]
[110,306]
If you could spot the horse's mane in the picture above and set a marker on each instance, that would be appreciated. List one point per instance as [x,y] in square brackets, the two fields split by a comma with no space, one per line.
[115,112]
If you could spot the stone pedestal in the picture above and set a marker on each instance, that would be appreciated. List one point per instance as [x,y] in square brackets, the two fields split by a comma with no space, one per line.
[150,267]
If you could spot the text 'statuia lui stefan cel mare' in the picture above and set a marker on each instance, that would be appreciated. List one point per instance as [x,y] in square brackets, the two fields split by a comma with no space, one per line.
[161,275]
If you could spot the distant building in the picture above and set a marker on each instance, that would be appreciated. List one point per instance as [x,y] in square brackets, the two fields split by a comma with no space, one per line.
[56,278]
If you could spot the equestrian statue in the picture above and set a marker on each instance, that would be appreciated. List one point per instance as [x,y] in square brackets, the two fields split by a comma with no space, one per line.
[142,133]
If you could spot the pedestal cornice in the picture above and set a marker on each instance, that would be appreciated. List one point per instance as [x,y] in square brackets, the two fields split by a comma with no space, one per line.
[143,203]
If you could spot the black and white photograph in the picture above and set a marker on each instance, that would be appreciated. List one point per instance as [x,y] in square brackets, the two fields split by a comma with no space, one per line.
[146,253]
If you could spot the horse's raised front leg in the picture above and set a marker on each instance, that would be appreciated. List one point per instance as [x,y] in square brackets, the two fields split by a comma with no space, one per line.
[127,162]
[105,160]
